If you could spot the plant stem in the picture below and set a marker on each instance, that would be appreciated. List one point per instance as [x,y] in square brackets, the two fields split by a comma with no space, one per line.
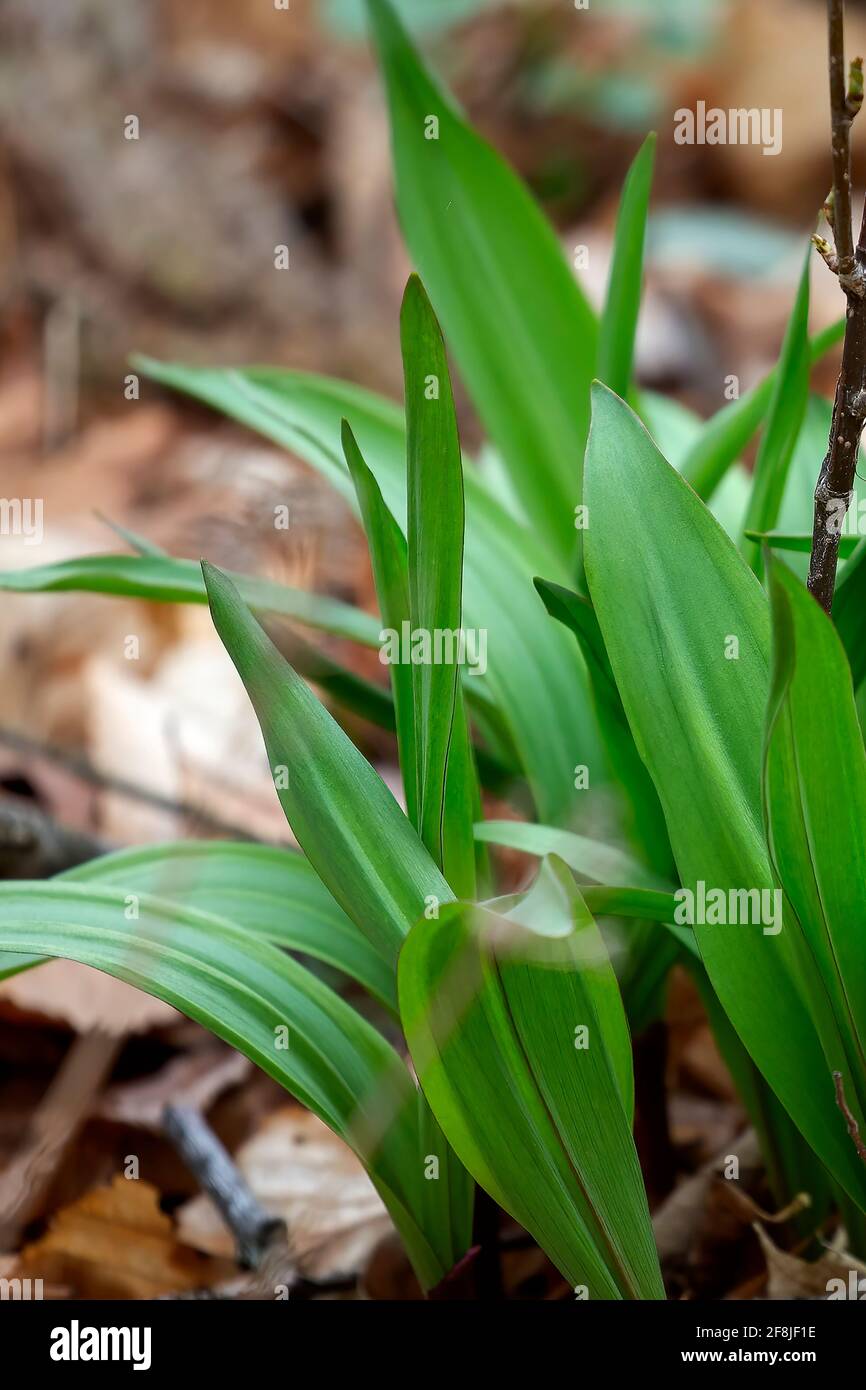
[853,1127]
[836,479]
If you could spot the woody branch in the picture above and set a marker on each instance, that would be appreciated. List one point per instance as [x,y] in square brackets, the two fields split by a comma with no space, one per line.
[836,479]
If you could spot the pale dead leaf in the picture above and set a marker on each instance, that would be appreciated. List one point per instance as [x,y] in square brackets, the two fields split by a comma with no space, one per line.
[789,1276]
[128,737]
[303,1173]
[680,1217]
[116,1243]
[196,1079]
[85,998]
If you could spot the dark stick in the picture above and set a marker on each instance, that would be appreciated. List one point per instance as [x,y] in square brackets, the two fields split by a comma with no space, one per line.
[32,845]
[840,138]
[836,479]
[255,1232]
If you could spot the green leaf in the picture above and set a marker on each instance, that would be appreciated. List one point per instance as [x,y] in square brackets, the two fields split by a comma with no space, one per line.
[346,689]
[592,859]
[726,434]
[491,1006]
[435,556]
[671,593]
[535,676]
[389,560]
[521,332]
[273,893]
[344,817]
[645,956]
[166,580]
[347,822]
[784,420]
[815,810]
[141,545]
[800,542]
[643,814]
[246,990]
[622,303]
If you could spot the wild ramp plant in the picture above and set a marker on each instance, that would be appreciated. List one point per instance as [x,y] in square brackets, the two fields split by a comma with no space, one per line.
[641,634]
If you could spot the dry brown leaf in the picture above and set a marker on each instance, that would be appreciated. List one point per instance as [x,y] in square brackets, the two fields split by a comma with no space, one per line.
[116,1243]
[84,999]
[303,1173]
[11,1269]
[679,1219]
[789,1276]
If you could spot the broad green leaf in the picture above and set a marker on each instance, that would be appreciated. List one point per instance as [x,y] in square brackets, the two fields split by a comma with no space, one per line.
[815,811]
[535,676]
[550,909]
[344,817]
[521,332]
[673,426]
[726,434]
[347,689]
[784,419]
[167,580]
[792,1166]
[391,577]
[622,303]
[435,556]
[492,1007]
[273,893]
[643,814]
[644,955]
[686,627]
[245,991]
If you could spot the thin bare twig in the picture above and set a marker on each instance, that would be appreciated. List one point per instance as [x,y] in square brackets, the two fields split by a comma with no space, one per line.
[82,767]
[853,1127]
[840,117]
[33,845]
[255,1230]
[836,479]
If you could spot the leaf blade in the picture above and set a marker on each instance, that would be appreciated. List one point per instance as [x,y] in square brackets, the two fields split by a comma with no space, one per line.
[522,333]
[622,301]
[243,990]
[480,997]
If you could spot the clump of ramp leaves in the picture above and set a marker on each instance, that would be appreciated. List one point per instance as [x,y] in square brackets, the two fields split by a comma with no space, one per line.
[645,619]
